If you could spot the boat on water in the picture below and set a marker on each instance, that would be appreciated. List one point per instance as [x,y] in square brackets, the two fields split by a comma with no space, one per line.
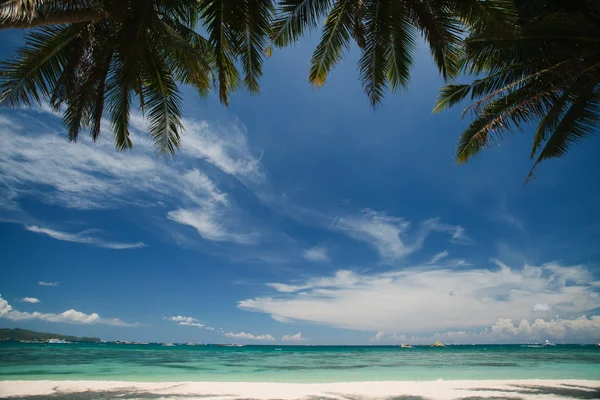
[437,344]
[406,346]
[57,341]
[547,343]
[168,345]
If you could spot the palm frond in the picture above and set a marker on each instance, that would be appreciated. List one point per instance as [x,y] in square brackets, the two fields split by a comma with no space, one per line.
[33,73]
[399,54]
[580,120]
[373,65]
[225,41]
[491,16]
[335,37]
[442,30]
[118,97]
[190,56]
[162,100]
[257,15]
[450,95]
[501,116]
[294,16]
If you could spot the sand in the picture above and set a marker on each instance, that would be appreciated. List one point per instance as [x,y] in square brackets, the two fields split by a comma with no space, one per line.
[397,390]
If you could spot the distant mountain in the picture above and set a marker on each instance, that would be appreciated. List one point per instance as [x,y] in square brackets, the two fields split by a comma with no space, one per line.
[24,334]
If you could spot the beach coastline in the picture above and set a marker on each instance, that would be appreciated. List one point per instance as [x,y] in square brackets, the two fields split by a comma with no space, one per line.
[398,390]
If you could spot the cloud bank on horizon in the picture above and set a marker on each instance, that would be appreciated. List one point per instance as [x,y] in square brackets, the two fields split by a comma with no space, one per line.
[70,316]
[440,301]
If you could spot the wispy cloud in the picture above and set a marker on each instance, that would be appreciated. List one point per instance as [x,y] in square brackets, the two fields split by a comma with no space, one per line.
[378,336]
[248,336]
[93,176]
[43,283]
[31,300]
[317,254]
[69,316]
[185,321]
[438,257]
[82,238]
[294,338]
[393,237]
[423,300]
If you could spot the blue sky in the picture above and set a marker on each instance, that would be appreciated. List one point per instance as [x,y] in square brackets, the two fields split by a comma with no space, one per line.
[298,214]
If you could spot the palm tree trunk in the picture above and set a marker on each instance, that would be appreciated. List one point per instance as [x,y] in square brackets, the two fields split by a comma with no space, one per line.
[60,17]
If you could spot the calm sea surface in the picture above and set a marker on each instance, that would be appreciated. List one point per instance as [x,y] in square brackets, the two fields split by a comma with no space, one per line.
[294,363]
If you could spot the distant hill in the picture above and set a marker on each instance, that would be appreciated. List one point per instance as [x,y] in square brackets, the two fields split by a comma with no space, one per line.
[24,334]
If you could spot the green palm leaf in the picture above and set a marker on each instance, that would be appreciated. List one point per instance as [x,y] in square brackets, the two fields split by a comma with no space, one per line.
[294,16]
[399,54]
[579,121]
[33,73]
[215,13]
[373,64]
[253,38]
[335,37]
[162,100]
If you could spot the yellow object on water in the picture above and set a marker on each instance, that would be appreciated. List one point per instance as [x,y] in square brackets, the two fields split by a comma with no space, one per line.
[437,344]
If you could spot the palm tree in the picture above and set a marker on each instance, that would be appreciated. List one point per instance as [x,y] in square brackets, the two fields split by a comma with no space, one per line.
[386,31]
[546,72]
[94,57]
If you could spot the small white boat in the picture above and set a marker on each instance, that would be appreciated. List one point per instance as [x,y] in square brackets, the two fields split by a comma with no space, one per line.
[548,344]
[406,346]
[57,341]
[168,345]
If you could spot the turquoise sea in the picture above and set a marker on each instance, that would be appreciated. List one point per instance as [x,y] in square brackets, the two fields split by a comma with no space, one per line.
[19,361]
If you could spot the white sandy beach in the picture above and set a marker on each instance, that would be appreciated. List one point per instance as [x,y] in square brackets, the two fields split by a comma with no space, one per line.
[396,390]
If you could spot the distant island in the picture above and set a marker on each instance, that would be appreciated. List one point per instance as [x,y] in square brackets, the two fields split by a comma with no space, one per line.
[24,335]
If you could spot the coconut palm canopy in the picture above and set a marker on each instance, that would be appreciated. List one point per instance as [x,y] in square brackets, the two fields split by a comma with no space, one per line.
[545,73]
[95,57]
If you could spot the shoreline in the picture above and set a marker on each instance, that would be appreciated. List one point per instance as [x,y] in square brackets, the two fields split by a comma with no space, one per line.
[409,390]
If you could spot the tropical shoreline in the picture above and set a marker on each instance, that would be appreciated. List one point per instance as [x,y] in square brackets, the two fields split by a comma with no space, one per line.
[421,390]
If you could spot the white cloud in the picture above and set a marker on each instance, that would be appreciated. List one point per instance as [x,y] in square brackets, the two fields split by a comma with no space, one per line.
[391,236]
[378,336]
[504,330]
[438,257]
[31,300]
[82,238]
[341,279]
[248,336]
[225,147]
[43,283]
[185,321]
[317,254]
[208,224]
[90,175]
[541,307]
[293,338]
[69,316]
[394,337]
[425,300]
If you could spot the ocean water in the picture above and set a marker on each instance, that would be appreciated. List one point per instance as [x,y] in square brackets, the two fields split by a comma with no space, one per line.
[19,361]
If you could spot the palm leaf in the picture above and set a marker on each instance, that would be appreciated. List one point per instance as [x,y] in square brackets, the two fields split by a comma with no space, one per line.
[580,120]
[450,95]
[373,64]
[442,30]
[33,73]
[225,41]
[335,37]
[253,39]
[163,103]
[294,16]
[399,54]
